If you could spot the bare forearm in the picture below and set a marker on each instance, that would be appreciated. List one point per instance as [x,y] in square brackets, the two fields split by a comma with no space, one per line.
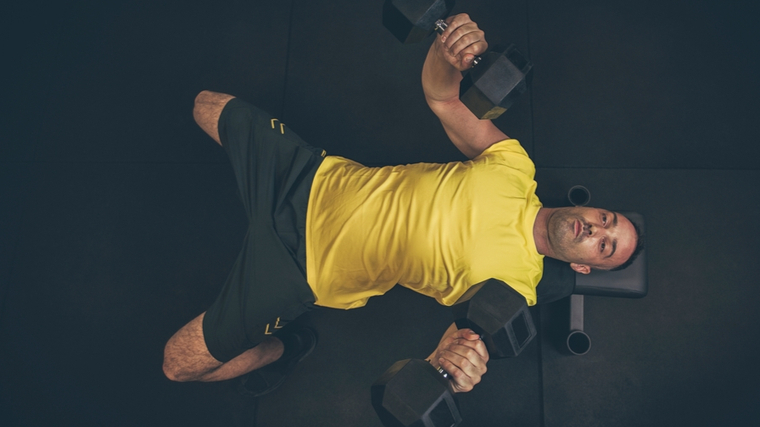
[440,80]
[453,52]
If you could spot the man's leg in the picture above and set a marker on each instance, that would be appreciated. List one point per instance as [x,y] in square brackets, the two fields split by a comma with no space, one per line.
[208,107]
[186,357]
[252,145]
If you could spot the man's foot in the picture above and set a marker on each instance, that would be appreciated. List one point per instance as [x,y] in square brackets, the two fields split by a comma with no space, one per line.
[299,343]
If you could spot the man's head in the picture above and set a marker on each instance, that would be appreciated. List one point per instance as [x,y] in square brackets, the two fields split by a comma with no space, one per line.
[588,238]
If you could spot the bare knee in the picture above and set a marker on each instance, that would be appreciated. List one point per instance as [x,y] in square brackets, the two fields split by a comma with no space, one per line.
[186,357]
[207,109]
[176,371]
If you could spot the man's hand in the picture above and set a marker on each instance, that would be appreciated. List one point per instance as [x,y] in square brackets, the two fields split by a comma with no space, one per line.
[463,355]
[461,42]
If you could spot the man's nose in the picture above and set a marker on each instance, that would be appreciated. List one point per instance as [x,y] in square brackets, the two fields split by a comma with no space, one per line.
[590,229]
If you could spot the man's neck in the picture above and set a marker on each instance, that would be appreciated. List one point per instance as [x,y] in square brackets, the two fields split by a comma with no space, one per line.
[541,231]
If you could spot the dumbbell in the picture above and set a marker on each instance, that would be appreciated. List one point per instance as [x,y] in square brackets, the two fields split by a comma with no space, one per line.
[496,79]
[414,393]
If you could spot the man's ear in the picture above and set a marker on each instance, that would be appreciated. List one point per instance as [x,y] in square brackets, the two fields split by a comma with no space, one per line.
[580,268]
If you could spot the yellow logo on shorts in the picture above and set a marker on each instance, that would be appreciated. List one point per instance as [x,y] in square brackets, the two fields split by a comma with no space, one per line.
[276,326]
[282,126]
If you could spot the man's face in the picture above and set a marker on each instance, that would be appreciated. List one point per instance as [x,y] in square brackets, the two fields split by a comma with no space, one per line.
[593,237]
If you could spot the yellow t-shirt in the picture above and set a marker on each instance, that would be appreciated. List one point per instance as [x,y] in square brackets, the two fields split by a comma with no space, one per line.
[434,228]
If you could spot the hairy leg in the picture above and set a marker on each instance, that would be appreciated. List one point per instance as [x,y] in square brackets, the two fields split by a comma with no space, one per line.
[186,357]
[208,107]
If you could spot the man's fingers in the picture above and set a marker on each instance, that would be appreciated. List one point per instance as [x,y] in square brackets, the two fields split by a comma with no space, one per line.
[454,22]
[467,338]
[463,41]
[465,358]
[461,381]
[476,345]
[467,39]
[464,379]
[460,334]
[466,344]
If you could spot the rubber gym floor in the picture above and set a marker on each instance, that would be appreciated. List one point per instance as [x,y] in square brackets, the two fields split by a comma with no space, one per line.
[120,218]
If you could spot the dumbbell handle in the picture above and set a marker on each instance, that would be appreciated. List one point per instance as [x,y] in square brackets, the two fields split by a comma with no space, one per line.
[441,25]
[443,373]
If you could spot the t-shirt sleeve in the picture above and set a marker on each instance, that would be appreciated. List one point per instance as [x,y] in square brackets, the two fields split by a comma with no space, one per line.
[510,153]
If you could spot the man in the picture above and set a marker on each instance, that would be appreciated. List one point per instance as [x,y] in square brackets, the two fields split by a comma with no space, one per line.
[330,232]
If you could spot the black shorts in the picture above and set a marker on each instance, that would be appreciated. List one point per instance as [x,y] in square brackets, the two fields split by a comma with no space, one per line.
[267,286]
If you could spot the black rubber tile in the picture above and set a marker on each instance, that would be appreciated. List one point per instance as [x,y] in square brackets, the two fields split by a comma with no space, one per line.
[684,354]
[510,391]
[129,71]
[111,260]
[13,188]
[645,84]
[29,35]
[14,179]
[332,386]
[355,90]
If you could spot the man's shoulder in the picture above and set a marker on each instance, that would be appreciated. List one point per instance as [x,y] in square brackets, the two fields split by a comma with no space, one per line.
[509,145]
[509,154]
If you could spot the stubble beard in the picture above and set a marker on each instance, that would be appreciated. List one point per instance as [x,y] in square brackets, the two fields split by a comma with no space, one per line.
[560,232]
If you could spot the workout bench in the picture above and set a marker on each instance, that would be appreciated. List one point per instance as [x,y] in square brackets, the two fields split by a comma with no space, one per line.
[560,281]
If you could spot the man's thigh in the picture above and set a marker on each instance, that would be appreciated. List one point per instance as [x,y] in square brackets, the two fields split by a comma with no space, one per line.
[264,291]
[266,287]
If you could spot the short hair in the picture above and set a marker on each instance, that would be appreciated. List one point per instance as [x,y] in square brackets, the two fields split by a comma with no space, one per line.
[636,251]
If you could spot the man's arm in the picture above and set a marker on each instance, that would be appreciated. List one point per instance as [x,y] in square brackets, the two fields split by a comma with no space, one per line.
[463,355]
[450,54]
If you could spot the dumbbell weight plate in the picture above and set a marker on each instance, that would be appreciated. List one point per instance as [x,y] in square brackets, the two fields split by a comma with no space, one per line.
[413,393]
[412,21]
[495,83]
[499,314]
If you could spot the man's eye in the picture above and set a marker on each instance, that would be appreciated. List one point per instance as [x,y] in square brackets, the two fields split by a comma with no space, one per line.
[604,219]
[603,246]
